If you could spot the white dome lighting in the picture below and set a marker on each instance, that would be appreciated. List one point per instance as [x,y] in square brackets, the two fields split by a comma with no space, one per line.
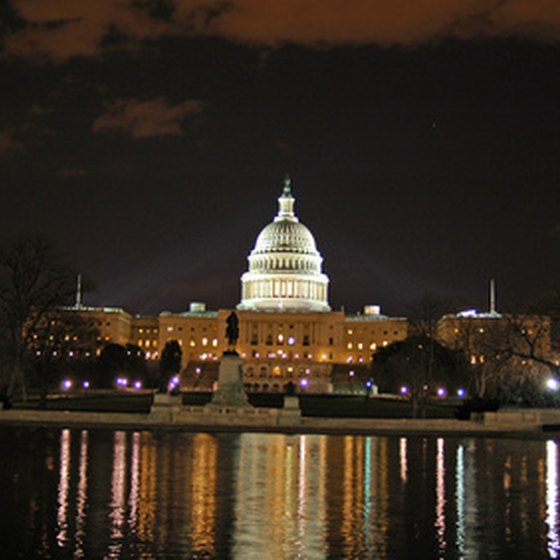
[285,266]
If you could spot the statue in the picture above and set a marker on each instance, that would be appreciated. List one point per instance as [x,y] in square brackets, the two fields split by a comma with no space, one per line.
[232,330]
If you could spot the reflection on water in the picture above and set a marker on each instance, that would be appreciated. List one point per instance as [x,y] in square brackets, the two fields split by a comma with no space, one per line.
[440,496]
[552,498]
[280,494]
[105,494]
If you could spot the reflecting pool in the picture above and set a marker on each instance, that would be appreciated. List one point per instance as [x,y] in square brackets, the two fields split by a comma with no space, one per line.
[124,494]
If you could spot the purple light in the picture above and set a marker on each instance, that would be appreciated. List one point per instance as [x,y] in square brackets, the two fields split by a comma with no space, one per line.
[404,390]
[85,384]
[67,384]
[441,392]
[461,393]
[304,382]
[138,384]
[174,383]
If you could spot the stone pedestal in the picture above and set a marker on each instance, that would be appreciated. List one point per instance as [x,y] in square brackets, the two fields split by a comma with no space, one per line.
[230,391]
[165,406]
[290,414]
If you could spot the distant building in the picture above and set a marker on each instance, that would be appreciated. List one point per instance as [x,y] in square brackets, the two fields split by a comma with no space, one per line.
[479,334]
[113,323]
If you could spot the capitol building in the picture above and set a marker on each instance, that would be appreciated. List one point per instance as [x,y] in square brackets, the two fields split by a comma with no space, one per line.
[287,329]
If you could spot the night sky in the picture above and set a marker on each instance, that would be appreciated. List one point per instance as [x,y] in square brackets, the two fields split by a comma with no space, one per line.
[149,140]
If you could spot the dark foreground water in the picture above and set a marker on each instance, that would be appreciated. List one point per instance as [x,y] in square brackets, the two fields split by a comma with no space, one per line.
[115,494]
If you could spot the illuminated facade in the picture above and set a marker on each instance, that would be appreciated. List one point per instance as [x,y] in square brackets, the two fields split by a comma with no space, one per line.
[479,335]
[285,266]
[287,331]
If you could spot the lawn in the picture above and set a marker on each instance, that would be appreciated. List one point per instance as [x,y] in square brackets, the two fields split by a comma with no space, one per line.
[340,406]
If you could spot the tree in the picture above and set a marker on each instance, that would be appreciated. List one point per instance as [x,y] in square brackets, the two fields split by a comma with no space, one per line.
[424,315]
[34,281]
[117,360]
[420,363]
[514,354]
[62,341]
[170,364]
[506,352]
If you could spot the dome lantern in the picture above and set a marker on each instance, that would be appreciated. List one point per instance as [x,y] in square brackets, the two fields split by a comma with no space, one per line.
[286,203]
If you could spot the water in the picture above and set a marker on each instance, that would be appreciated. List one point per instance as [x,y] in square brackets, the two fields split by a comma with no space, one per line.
[115,494]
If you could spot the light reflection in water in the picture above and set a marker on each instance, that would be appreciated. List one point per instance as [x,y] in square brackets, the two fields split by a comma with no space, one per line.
[402,458]
[148,482]
[203,515]
[368,498]
[63,488]
[552,498]
[440,496]
[466,501]
[118,497]
[134,495]
[297,496]
[460,498]
[279,502]
[302,486]
[81,501]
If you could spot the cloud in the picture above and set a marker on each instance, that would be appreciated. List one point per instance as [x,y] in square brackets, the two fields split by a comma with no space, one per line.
[384,22]
[60,29]
[145,119]
[8,143]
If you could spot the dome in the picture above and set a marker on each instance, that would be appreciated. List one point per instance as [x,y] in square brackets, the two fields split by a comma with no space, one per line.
[285,236]
[285,265]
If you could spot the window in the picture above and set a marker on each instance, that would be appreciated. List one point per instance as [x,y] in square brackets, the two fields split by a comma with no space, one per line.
[306,340]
